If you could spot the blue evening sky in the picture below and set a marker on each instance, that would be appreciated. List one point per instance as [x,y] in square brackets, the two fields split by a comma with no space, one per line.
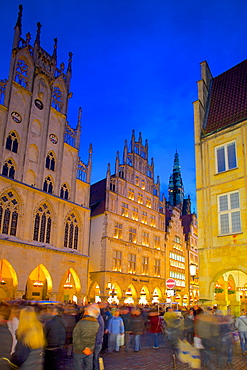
[135,66]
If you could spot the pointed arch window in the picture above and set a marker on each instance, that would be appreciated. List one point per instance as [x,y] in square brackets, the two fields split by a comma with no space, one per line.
[48,186]
[12,142]
[57,99]
[64,192]
[8,214]
[71,232]
[8,169]
[21,73]
[50,161]
[42,224]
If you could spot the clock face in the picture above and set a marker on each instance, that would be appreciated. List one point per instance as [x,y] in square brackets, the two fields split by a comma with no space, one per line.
[16,117]
[38,104]
[53,138]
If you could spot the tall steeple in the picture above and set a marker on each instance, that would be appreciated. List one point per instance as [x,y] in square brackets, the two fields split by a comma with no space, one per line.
[176,189]
[17,28]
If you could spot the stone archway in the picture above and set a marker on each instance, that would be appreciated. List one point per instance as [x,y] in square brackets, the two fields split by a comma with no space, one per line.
[70,287]
[230,291]
[8,280]
[39,284]
[144,295]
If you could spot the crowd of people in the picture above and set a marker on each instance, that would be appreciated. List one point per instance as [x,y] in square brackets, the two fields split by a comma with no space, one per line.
[34,336]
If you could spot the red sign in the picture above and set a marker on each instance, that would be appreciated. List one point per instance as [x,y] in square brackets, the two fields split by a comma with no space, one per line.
[170,283]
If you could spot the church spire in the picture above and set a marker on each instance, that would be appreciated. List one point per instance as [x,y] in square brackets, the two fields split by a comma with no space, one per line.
[176,189]
[54,55]
[69,71]
[17,28]
[37,40]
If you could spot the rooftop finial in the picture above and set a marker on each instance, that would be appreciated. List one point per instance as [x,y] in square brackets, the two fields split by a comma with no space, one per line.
[37,40]
[55,49]
[18,23]
[69,69]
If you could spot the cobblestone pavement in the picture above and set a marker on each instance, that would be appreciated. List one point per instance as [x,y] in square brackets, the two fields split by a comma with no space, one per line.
[148,358]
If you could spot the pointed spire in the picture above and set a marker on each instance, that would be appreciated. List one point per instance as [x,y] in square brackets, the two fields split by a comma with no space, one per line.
[125,152]
[89,165]
[140,137]
[79,118]
[37,40]
[176,189]
[78,128]
[54,55]
[108,176]
[152,162]
[17,33]
[69,71]
[117,164]
[133,141]
[108,172]
[19,19]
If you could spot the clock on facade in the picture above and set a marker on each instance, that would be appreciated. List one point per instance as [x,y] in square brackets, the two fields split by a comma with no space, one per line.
[38,104]
[16,117]
[53,138]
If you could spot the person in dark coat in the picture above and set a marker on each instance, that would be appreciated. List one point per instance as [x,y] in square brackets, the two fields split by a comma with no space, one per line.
[70,317]
[98,343]
[55,333]
[138,325]
[28,354]
[6,339]
[84,336]
[126,316]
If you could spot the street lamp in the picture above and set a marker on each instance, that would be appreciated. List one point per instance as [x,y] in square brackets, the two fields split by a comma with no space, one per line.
[193,270]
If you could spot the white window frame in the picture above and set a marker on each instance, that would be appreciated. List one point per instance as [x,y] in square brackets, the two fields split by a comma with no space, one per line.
[225,156]
[229,211]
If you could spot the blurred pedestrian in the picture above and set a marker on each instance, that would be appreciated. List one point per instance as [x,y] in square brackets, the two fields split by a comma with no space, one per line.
[241,325]
[155,327]
[189,326]
[115,327]
[84,336]
[6,339]
[126,316]
[98,342]
[28,353]
[55,333]
[138,326]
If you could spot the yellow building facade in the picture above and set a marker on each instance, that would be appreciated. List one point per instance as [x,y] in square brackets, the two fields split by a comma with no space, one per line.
[44,186]
[220,115]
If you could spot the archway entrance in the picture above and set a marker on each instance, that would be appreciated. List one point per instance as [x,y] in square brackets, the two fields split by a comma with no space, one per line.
[8,280]
[230,291]
[36,288]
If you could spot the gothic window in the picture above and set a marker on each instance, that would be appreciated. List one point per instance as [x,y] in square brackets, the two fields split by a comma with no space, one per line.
[21,73]
[48,186]
[50,161]
[71,232]
[112,185]
[121,174]
[12,142]
[42,224]
[8,214]
[64,192]
[57,99]
[8,169]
